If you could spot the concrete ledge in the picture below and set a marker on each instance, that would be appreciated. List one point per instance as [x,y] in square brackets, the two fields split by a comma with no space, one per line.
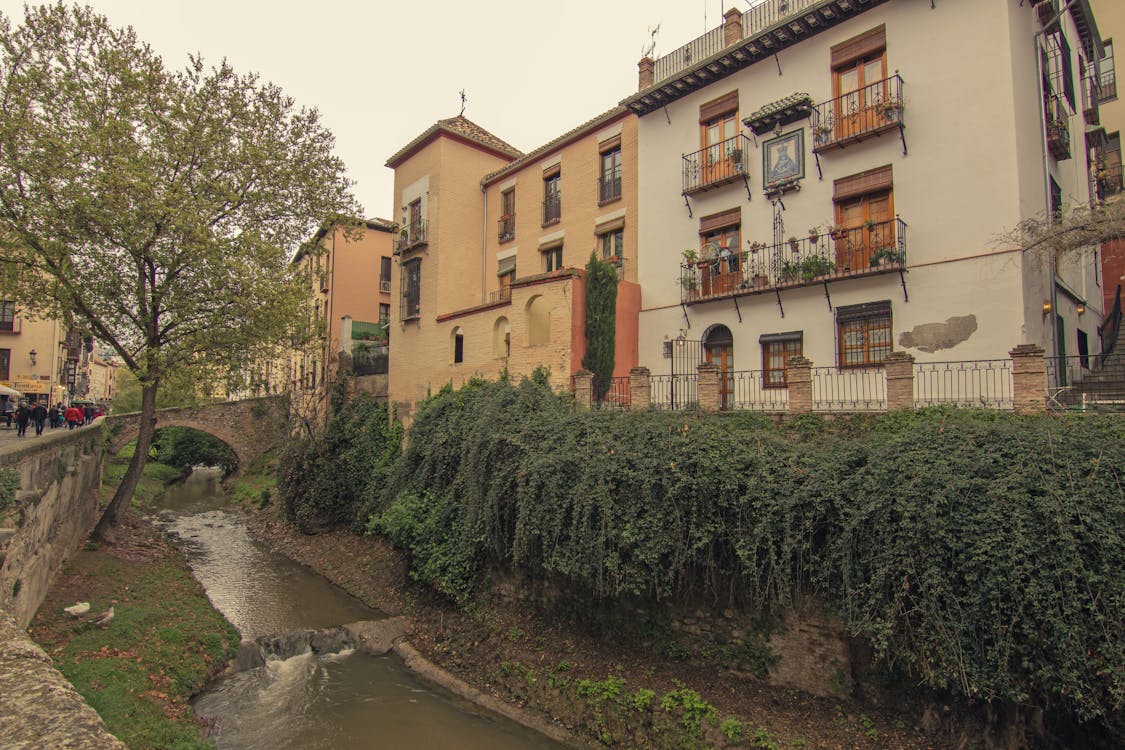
[38,707]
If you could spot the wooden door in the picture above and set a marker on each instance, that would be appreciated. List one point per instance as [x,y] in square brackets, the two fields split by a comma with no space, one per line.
[718,349]
[715,162]
[868,221]
[859,88]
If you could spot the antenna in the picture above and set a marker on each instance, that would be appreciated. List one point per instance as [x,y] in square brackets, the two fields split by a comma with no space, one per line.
[464,99]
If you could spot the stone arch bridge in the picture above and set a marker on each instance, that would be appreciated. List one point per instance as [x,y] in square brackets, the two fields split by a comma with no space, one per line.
[251,427]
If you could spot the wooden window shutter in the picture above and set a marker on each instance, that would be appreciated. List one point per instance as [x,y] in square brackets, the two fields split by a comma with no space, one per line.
[724,105]
[609,144]
[866,44]
[718,221]
[871,181]
[610,226]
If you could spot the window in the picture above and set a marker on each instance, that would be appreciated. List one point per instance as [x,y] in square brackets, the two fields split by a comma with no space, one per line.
[507,215]
[859,83]
[1107,75]
[553,258]
[506,274]
[777,349]
[384,313]
[411,289]
[863,334]
[866,216]
[613,245]
[552,197]
[414,219]
[1056,200]
[720,243]
[5,364]
[1083,349]
[718,129]
[7,315]
[458,346]
[384,274]
[609,180]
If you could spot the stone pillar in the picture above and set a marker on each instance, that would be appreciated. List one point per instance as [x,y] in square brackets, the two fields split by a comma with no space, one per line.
[1029,379]
[645,73]
[583,387]
[640,389]
[709,387]
[732,27]
[899,369]
[800,385]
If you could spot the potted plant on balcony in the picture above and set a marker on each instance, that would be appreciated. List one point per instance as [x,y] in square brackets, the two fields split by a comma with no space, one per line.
[794,244]
[815,266]
[822,134]
[890,109]
[886,256]
[735,156]
[814,234]
[838,232]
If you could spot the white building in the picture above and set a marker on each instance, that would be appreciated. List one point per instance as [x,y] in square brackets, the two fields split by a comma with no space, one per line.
[845,170]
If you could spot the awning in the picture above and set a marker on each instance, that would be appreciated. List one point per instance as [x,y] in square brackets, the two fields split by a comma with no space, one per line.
[6,391]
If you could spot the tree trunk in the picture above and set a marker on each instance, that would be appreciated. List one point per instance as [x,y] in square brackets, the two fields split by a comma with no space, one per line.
[132,477]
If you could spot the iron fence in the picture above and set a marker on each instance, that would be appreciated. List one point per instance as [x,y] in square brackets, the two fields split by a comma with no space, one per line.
[849,390]
[552,208]
[874,247]
[852,116]
[411,235]
[1086,383]
[615,393]
[500,295]
[983,384]
[609,185]
[674,391]
[749,390]
[717,164]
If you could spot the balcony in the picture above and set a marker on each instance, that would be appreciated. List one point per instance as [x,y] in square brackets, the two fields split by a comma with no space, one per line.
[1107,181]
[506,228]
[874,248]
[411,236]
[552,209]
[609,186]
[384,285]
[717,165]
[858,115]
[500,295]
[1058,127]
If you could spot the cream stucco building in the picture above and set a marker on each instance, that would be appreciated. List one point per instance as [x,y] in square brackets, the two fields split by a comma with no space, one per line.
[40,358]
[834,179]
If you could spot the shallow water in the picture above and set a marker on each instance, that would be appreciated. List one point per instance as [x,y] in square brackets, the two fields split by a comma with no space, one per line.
[338,701]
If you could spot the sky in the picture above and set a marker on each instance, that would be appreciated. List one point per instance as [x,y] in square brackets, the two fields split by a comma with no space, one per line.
[382,72]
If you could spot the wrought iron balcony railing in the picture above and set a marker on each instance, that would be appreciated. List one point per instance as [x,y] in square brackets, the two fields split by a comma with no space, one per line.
[552,209]
[500,295]
[1107,181]
[609,186]
[384,285]
[856,115]
[411,236]
[874,247]
[506,227]
[1058,127]
[717,165]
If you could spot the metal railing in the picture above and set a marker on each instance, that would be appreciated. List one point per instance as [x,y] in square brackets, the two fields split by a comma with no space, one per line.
[615,393]
[875,247]
[384,285]
[506,227]
[852,116]
[674,391]
[1086,383]
[717,164]
[983,384]
[552,209]
[411,235]
[767,14]
[1107,181]
[500,295]
[848,390]
[609,186]
[1058,127]
[1107,84]
[751,390]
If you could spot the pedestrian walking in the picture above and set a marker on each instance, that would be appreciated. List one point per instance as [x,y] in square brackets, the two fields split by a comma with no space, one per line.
[23,416]
[53,416]
[73,417]
[88,413]
[39,417]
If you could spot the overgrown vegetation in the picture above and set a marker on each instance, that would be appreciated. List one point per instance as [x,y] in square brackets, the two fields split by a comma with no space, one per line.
[330,478]
[183,447]
[977,552]
[601,323]
[9,483]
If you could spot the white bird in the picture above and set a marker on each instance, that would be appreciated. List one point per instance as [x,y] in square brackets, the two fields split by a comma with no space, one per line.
[104,618]
[78,609]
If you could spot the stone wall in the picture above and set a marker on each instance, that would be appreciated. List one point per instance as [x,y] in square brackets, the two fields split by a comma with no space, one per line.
[55,509]
[38,707]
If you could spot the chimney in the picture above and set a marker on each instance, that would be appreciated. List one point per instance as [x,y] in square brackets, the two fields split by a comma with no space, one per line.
[732,27]
[645,73]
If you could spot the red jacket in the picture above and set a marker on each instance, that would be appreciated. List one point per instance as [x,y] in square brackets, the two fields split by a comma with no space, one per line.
[73,414]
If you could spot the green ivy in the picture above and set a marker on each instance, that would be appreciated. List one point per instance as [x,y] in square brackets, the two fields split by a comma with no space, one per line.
[9,483]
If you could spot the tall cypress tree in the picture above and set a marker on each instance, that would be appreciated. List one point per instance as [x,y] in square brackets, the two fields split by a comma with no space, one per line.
[601,323]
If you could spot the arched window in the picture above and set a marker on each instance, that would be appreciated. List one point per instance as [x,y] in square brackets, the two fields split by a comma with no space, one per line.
[538,321]
[458,341]
[501,338]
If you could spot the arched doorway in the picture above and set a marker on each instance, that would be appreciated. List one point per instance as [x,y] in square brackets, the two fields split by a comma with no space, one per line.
[718,349]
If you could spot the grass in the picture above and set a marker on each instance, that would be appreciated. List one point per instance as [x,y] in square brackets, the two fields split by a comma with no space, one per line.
[163,645]
[256,484]
[154,479]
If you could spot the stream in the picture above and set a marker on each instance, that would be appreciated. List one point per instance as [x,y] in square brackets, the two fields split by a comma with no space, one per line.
[338,700]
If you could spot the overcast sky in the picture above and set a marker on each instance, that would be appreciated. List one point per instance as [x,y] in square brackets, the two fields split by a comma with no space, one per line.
[382,72]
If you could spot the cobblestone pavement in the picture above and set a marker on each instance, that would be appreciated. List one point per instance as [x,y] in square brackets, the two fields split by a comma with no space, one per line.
[8,435]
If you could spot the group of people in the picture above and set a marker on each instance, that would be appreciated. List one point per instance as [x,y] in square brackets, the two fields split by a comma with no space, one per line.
[40,416]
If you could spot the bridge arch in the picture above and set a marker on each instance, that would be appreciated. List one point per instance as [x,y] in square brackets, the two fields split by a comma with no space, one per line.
[251,427]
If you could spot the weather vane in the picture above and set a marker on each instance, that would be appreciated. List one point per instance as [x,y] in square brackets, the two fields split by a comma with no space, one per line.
[464,99]
[651,46]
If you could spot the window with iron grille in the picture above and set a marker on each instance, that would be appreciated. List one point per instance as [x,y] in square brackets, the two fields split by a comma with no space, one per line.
[863,334]
[411,288]
[1107,75]
[507,228]
[5,364]
[609,181]
[7,315]
[384,274]
[777,348]
[552,198]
